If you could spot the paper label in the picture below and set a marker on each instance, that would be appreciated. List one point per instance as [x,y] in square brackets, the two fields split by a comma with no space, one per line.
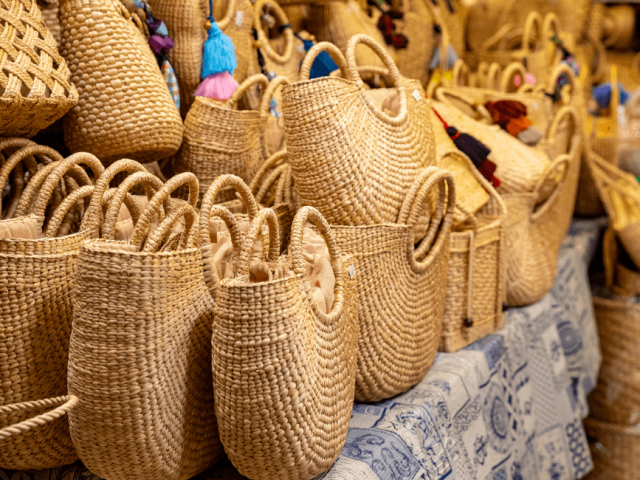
[239,18]
[416,95]
[352,271]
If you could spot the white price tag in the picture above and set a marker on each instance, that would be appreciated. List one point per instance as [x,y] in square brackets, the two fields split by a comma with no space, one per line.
[416,95]
[239,18]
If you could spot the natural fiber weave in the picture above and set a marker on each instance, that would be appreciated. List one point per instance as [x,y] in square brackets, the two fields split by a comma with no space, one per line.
[158,399]
[220,139]
[350,160]
[615,450]
[36,333]
[50,17]
[417,26]
[616,397]
[125,109]
[35,89]
[280,361]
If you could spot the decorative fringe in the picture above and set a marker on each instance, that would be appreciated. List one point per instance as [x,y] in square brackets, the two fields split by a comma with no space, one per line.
[219,86]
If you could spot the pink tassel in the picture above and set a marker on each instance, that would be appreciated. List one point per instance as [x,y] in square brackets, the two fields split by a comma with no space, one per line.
[219,86]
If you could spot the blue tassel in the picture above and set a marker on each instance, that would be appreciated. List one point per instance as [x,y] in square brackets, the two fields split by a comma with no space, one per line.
[219,53]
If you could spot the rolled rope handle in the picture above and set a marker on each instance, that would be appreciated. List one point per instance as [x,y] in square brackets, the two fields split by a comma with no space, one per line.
[414,204]
[460,70]
[569,112]
[609,255]
[172,243]
[526,88]
[59,213]
[532,31]
[269,164]
[281,16]
[26,155]
[129,201]
[162,197]
[481,110]
[265,215]
[224,22]
[271,180]
[56,175]
[310,214]
[561,162]
[93,217]
[257,79]
[394,73]
[558,70]
[335,54]
[139,178]
[284,190]
[161,233]
[493,76]
[269,93]
[13,142]
[61,406]
[33,188]
[509,73]
[550,26]
[209,198]
[209,267]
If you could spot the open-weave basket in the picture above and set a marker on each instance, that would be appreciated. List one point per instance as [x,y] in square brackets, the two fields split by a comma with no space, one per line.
[476,275]
[37,303]
[615,450]
[274,349]
[158,399]
[34,79]
[350,160]
[219,138]
[125,109]
[401,289]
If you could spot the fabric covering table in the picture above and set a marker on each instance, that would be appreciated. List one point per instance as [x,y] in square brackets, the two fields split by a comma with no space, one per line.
[508,407]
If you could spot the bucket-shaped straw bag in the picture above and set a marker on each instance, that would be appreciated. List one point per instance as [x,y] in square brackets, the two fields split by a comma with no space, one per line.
[37,303]
[350,160]
[274,349]
[222,139]
[125,109]
[35,81]
[158,399]
[401,289]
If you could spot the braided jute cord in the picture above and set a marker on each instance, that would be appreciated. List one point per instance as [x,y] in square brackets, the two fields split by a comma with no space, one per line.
[64,404]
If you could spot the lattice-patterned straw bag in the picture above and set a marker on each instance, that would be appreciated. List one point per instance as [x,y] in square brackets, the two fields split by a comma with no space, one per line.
[158,399]
[125,109]
[350,160]
[220,138]
[37,305]
[294,346]
[35,81]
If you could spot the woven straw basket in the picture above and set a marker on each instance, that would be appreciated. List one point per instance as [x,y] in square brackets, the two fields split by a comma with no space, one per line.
[615,450]
[219,138]
[159,398]
[125,108]
[34,434]
[34,82]
[417,25]
[350,160]
[280,361]
[620,274]
[620,194]
[476,275]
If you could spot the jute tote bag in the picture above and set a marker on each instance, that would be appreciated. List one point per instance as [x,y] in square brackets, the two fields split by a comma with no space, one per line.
[350,160]
[125,109]
[222,139]
[35,83]
[37,302]
[158,399]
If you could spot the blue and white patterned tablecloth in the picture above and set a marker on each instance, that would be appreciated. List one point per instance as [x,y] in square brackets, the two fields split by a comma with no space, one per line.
[508,407]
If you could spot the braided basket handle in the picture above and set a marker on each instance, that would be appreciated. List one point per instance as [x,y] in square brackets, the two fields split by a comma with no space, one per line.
[566,112]
[279,81]
[60,405]
[257,79]
[494,75]
[310,214]
[269,164]
[558,70]
[93,217]
[151,182]
[224,22]
[509,74]
[282,18]
[29,196]
[394,73]
[56,175]
[162,197]
[285,193]
[272,179]
[442,95]
[335,54]
[532,31]
[461,73]
[25,155]
[561,163]
[414,203]
[255,229]
[161,233]
[61,211]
